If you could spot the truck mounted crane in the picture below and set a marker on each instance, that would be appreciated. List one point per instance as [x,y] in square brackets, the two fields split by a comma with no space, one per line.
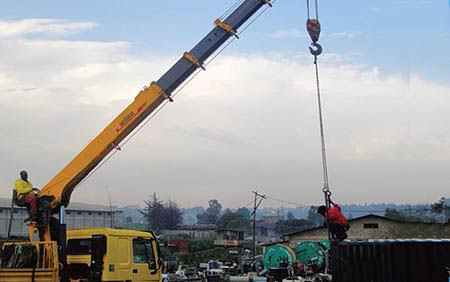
[101,254]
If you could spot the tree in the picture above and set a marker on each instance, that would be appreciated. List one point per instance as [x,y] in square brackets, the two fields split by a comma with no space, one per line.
[172,215]
[197,245]
[160,215]
[212,213]
[244,212]
[440,206]
[398,215]
[153,213]
[233,220]
[442,209]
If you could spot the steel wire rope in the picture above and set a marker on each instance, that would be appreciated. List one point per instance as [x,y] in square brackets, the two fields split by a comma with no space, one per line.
[307,8]
[322,135]
[227,12]
[315,53]
[256,17]
[140,127]
[316,7]
[317,10]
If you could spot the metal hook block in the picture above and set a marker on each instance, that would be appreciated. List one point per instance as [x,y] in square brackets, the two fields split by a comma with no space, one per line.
[317,51]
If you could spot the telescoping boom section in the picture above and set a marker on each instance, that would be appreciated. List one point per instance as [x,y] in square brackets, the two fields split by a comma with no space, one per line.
[150,98]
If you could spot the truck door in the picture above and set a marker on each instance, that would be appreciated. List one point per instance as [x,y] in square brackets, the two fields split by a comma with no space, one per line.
[144,266]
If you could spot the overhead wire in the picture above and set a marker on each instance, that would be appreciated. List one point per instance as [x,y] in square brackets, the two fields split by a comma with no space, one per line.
[283,201]
[349,210]
[249,203]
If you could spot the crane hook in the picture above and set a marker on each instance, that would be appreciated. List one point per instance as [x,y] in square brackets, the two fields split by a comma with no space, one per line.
[315,52]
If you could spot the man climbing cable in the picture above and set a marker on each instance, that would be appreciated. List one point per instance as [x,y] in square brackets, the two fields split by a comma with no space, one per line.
[338,224]
[24,195]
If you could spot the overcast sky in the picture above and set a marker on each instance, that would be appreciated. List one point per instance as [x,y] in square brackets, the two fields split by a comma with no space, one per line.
[250,121]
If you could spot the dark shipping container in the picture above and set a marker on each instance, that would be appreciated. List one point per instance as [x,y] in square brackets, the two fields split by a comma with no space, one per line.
[390,261]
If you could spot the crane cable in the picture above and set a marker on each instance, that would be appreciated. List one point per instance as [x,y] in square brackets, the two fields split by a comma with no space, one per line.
[313,28]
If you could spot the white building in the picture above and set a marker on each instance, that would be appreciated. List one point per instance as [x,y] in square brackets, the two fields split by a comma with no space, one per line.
[78,215]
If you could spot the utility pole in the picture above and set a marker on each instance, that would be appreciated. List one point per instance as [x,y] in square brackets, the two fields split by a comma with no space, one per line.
[255,207]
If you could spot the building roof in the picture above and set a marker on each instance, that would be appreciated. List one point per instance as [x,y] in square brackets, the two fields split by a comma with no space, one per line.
[73,206]
[364,217]
[229,229]
[197,227]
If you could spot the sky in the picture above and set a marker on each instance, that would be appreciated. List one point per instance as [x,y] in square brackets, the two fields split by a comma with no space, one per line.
[250,121]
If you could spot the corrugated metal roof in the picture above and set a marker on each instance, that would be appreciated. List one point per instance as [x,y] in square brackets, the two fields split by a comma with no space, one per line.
[6,203]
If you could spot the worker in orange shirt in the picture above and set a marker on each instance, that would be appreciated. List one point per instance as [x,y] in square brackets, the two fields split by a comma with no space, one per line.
[338,224]
[24,195]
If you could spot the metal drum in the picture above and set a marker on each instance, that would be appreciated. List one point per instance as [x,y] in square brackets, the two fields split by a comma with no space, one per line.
[276,256]
[312,253]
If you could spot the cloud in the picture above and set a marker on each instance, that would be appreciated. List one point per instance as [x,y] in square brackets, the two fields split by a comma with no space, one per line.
[345,34]
[288,33]
[295,33]
[45,26]
[248,121]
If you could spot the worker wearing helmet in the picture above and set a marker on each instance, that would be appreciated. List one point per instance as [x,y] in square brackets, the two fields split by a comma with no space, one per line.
[338,224]
[24,195]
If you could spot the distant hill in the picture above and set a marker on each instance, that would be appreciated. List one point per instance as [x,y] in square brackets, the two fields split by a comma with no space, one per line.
[132,214]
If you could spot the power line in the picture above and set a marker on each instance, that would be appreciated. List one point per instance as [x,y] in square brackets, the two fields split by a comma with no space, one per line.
[249,203]
[350,210]
[284,201]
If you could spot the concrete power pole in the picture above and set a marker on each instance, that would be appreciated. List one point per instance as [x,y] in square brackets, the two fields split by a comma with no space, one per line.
[255,207]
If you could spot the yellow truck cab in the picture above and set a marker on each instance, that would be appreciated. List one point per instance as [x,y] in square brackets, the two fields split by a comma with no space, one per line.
[94,254]
[121,255]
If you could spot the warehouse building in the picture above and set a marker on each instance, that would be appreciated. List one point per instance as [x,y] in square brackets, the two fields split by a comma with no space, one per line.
[78,215]
[378,227]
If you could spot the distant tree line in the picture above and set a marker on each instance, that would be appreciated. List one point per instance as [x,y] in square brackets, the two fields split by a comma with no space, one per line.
[240,219]
[438,212]
[160,215]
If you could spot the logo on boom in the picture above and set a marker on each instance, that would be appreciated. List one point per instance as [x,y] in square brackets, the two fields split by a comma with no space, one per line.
[129,117]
